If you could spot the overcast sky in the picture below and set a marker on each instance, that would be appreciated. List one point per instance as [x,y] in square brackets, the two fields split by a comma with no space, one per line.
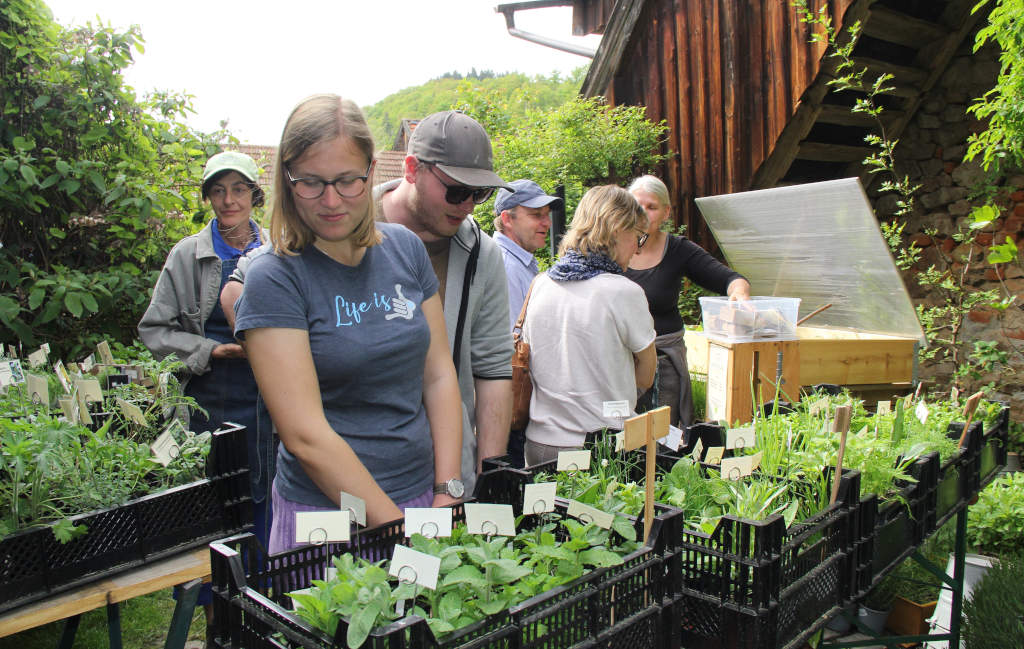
[251,62]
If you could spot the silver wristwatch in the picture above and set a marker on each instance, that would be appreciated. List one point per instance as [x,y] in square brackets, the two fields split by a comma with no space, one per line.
[453,488]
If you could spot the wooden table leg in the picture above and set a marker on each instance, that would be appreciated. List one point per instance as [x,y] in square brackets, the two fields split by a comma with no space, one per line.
[177,634]
[67,636]
[114,625]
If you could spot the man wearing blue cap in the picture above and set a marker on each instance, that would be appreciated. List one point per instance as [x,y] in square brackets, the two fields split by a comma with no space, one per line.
[521,223]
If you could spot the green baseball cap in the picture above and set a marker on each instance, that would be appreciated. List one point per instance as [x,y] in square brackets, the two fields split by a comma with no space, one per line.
[232,161]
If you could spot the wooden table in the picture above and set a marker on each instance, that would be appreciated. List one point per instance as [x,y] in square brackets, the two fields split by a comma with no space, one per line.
[192,567]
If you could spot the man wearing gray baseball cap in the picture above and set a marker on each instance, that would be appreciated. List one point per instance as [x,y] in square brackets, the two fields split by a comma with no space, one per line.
[447,171]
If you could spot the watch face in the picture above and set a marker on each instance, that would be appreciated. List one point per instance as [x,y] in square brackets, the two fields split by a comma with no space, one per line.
[455,488]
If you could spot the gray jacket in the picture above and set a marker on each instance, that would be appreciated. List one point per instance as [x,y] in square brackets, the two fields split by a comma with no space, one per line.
[183,299]
[486,348]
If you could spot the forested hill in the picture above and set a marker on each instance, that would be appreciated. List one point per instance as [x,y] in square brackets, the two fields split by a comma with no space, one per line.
[514,90]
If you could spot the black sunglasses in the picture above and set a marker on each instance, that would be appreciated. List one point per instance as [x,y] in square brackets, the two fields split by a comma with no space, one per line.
[456,194]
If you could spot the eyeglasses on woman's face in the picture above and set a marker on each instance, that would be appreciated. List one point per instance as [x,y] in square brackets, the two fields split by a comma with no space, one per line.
[458,193]
[311,188]
[237,191]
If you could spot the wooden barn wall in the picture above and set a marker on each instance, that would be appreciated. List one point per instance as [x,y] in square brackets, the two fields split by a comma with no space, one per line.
[726,75]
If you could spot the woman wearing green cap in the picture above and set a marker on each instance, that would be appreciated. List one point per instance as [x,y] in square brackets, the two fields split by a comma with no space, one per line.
[185,318]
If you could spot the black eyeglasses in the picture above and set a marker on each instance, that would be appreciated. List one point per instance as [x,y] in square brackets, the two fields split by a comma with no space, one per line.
[456,194]
[641,239]
[346,186]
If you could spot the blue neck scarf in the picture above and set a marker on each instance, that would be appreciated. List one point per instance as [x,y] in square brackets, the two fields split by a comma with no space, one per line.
[573,266]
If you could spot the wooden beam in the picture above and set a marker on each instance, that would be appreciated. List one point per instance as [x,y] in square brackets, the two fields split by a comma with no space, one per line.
[624,17]
[823,152]
[903,74]
[786,146]
[895,27]
[843,116]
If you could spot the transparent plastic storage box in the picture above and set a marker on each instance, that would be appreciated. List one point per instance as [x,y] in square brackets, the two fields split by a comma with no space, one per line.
[760,318]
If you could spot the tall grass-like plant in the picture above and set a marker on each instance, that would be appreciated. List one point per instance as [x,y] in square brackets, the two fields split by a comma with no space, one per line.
[994,614]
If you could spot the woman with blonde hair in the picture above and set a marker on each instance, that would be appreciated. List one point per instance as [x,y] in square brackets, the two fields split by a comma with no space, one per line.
[659,268]
[591,336]
[345,333]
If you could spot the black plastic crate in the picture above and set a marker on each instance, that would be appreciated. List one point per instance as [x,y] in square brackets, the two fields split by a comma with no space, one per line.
[34,565]
[750,583]
[992,454]
[621,606]
[890,531]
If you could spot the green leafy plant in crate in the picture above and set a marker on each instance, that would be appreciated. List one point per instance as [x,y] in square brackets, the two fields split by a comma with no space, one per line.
[479,576]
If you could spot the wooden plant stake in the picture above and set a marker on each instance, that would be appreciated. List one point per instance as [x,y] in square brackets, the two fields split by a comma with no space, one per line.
[969,408]
[812,314]
[841,425]
[647,429]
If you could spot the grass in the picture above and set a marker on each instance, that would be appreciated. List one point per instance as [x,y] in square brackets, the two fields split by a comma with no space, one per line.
[144,623]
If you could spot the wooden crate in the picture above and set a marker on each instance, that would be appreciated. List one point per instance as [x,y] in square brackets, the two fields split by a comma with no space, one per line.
[866,363]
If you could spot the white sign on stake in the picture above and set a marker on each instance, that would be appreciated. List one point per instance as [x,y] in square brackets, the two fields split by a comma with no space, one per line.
[355,505]
[921,411]
[89,389]
[131,411]
[714,455]
[539,497]
[414,567]
[818,407]
[431,522]
[103,349]
[740,438]
[317,528]
[62,376]
[573,461]
[883,407]
[38,390]
[490,520]
[83,408]
[587,514]
[673,439]
[698,450]
[88,363]
[165,447]
[734,468]
[37,358]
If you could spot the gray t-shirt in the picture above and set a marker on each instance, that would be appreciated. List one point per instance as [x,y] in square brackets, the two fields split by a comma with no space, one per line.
[369,355]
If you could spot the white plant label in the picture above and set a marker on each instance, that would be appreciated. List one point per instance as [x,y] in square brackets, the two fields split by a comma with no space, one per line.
[883,407]
[539,497]
[165,447]
[490,520]
[37,358]
[69,407]
[740,438]
[87,363]
[83,408]
[62,376]
[818,407]
[89,389]
[698,450]
[431,522]
[620,441]
[573,461]
[734,468]
[714,455]
[587,514]
[615,409]
[131,411]
[11,373]
[103,349]
[921,411]
[673,439]
[411,566]
[38,389]
[317,528]
[354,505]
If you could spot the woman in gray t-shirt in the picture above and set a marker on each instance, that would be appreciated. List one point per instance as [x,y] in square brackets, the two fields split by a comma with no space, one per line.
[345,333]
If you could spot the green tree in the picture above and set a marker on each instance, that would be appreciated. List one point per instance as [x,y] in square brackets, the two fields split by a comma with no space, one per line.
[1002,143]
[95,183]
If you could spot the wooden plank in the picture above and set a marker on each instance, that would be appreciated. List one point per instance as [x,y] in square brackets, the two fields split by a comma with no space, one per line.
[141,581]
[853,362]
[902,74]
[896,27]
[698,133]
[676,134]
[609,57]
[822,152]
[730,61]
[752,111]
[843,116]
[713,183]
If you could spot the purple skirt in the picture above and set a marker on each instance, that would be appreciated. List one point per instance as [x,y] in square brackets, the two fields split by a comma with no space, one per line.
[282,530]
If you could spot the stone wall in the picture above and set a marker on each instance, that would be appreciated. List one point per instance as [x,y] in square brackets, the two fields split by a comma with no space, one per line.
[931,152]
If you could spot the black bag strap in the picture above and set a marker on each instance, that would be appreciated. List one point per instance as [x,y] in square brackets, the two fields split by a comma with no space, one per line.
[467,279]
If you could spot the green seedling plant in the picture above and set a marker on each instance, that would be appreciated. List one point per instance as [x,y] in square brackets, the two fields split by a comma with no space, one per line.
[480,576]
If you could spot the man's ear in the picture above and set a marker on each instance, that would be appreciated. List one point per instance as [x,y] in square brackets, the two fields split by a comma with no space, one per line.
[506,217]
[410,166]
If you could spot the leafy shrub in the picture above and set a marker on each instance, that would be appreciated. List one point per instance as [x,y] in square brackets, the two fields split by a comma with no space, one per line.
[995,525]
[994,615]
[95,183]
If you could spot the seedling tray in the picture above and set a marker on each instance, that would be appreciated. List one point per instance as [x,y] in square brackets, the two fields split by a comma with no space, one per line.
[749,584]
[621,606]
[34,565]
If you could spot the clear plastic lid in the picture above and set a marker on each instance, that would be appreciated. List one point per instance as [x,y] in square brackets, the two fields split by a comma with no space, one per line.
[819,242]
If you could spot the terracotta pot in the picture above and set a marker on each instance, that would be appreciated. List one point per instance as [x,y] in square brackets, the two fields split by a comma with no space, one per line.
[909,618]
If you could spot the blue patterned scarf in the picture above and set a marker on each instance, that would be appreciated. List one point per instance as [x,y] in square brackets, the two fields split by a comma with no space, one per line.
[573,266]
